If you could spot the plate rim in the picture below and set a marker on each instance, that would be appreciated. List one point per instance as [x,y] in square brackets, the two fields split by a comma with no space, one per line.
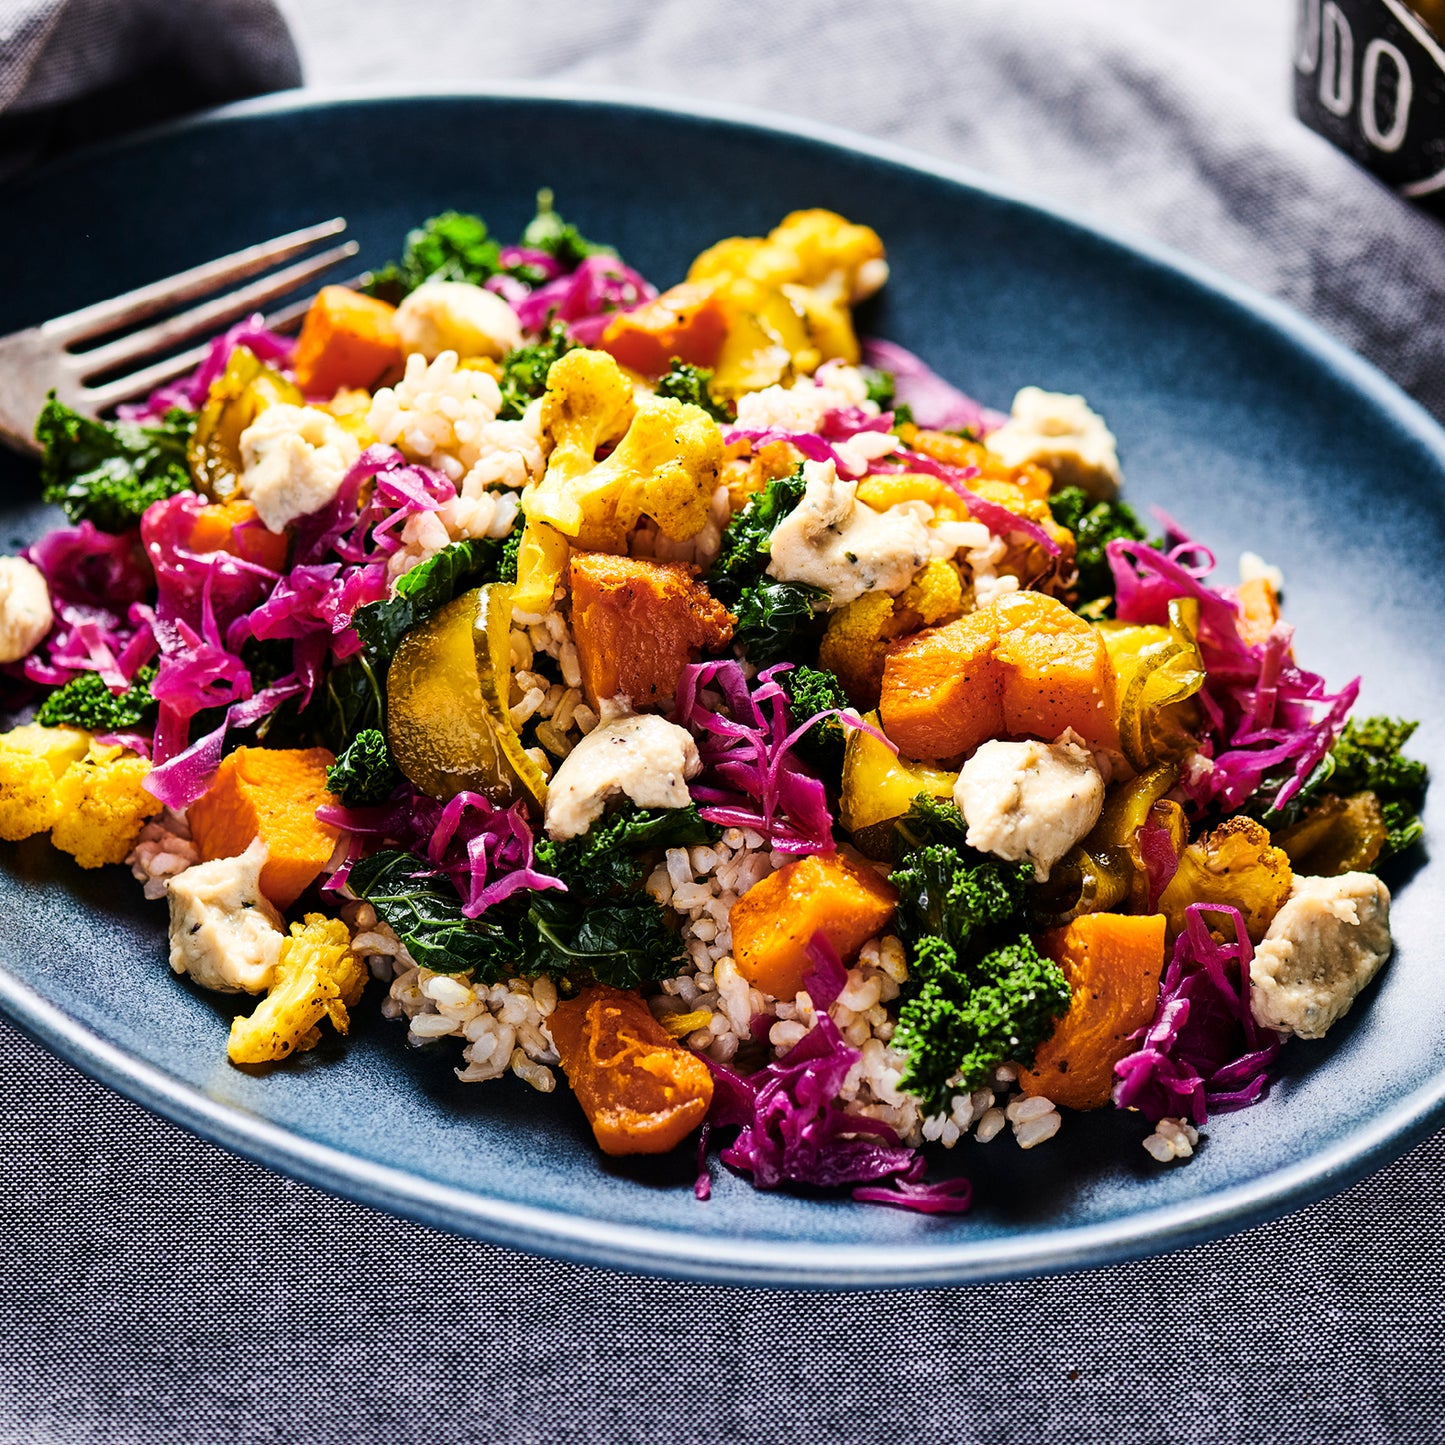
[660,1251]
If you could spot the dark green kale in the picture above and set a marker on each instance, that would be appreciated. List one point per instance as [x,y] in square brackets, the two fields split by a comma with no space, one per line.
[425,913]
[608,856]
[524,370]
[771,616]
[1094,525]
[453,246]
[507,563]
[351,700]
[978,993]
[561,240]
[365,772]
[746,545]
[928,821]
[693,384]
[108,473]
[624,940]
[86,701]
[880,386]
[424,590]
[813,690]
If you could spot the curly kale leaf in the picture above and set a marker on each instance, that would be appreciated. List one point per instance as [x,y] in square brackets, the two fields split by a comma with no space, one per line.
[692,384]
[108,473]
[928,821]
[86,701]
[607,858]
[524,369]
[424,590]
[1094,525]
[964,1022]
[507,562]
[624,940]
[773,617]
[561,240]
[453,246]
[746,546]
[979,993]
[365,772]
[425,913]
[814,690]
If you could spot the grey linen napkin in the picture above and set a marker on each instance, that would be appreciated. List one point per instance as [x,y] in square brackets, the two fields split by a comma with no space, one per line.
[154,1288]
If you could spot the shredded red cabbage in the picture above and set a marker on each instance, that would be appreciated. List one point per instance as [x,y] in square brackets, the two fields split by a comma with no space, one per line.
[935,403]
[189,393]
[1161,862]
[795,1130]
[1262,713]
[750,777]
[587,299]
[1203,1049]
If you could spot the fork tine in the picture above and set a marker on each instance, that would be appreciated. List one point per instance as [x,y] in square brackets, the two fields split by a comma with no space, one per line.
[145,301]
[205,316]
[143,382]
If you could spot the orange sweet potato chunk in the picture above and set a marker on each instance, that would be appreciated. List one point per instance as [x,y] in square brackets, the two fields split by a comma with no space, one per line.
[1113,963]
[942,690]
[638,623]
[234,527]
[687,321]
[1025,666]
[642,1092]
[774,921]
[1056,671]
[273,794]
[347,340]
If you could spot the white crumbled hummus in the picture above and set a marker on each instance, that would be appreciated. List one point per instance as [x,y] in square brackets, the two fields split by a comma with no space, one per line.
[25,613]
[645,758]
[224,932]
[456,316]
[294,459]
[833,541]
[1063,434]
[1030,801]
[1324,946]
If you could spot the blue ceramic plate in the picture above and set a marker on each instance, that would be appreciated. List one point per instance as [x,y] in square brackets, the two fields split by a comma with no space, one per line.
[1248,425]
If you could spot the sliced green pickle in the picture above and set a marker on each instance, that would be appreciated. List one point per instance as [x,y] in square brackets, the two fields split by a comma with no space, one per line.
[879,788]
[236,398]
[446,704]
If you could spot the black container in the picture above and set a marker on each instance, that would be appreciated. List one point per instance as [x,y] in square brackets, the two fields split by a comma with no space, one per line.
[1370,75]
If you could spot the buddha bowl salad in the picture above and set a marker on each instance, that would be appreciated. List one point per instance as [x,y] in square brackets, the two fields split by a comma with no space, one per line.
[670,690]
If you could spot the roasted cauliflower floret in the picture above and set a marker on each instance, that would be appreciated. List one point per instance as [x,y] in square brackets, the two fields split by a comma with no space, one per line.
[665,466]
[456,316]
[317,976]
[1233,865]
[101,806]
[32,759]
[855,644]
[25,612]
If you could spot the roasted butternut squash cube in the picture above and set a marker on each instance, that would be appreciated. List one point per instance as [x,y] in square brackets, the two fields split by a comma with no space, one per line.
[642,1092]
[1055,669]
[234,527]
[942,691]
[828,893]
[638,623]
[347,340]
[271,794]
[687,321]
[1112,962]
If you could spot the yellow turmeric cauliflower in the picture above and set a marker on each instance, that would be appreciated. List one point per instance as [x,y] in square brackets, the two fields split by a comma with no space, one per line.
[32,759]
[102,806]
[665,466]
[317,976]
[936,594]
[91,798]
[1234,865]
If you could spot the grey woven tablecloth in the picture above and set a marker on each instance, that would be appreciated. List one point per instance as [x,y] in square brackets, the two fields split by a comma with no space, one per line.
[156,1289]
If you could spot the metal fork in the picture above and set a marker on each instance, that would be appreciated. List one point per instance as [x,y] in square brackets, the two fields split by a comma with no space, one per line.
[41,359]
